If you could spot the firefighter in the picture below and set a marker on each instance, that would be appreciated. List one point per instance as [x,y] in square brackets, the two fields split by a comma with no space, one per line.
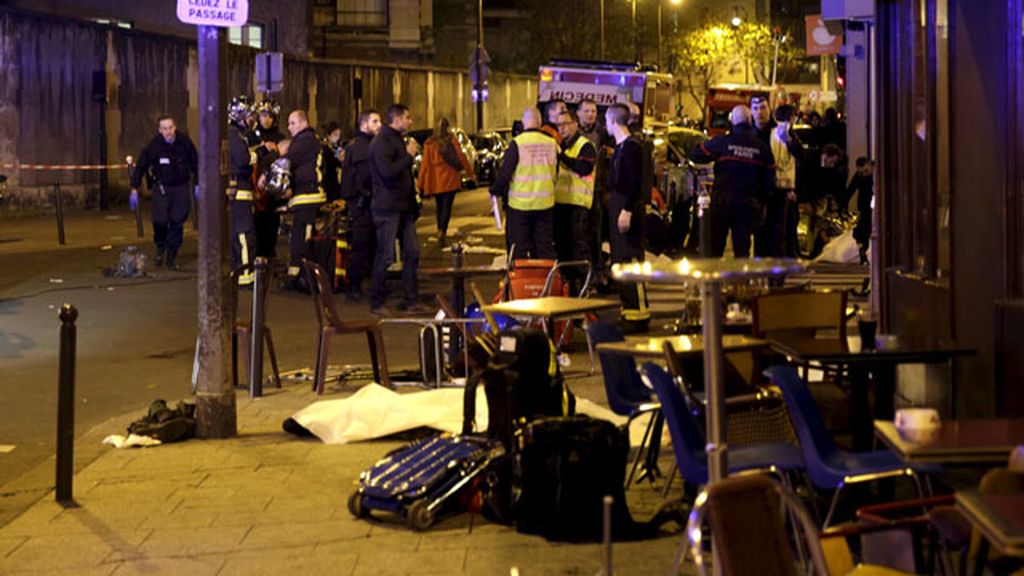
[627,202]
[356,189]
[264,137]
[574,196]
[169,162]
[241,159]
[307,193]
[527,177]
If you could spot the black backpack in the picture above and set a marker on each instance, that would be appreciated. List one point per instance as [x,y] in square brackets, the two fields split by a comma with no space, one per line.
[166,424]
[522,381]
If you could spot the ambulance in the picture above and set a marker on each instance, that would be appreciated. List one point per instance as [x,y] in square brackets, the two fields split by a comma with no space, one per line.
[607,83]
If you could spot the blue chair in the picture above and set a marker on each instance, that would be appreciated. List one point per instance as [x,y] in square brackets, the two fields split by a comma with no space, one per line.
[688,440]
[627,395]
[829,467]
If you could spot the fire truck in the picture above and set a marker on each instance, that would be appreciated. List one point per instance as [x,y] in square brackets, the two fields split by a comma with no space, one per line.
[607,83]
[722,98]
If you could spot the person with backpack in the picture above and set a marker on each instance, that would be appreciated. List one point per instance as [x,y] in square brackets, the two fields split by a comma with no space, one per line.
[626,206]
[440,174]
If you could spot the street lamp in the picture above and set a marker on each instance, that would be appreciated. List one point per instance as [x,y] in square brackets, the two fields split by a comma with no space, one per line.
[674,3]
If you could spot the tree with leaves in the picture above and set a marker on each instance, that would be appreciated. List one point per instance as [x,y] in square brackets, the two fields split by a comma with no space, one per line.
[705,55]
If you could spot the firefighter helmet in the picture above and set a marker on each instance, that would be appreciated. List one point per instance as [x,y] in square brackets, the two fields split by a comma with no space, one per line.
[268,106]
[239,109]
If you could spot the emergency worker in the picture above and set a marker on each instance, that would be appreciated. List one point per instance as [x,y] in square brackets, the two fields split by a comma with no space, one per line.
[527,178]
[744,179]
[241,160]
[307,194]
[592,129]
[627,202]
[574,196]
[169,163]
[264,138]
[356,190]
[550,125]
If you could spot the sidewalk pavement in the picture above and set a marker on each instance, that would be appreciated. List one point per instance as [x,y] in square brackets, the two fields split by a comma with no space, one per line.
[266,502]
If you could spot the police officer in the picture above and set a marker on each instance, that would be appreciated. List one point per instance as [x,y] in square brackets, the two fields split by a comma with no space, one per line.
[356,190]
[527,177]
[574,195]
[241,159]
[744,179]
[169,162]
[307,194]
[627,202]
[265,136]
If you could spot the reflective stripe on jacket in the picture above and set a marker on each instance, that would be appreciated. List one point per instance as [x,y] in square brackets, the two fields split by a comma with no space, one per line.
[533,184]
[571,188]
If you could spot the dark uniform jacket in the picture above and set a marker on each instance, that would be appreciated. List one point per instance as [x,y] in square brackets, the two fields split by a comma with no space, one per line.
[304,155]
[744,168]
[239,158]
[356,179]
[171,164]
[391,167]
[626,183]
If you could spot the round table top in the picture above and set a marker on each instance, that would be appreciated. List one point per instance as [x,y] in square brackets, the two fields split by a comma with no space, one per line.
[706,270]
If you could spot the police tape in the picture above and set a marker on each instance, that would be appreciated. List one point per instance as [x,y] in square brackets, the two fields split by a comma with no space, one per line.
[62,167]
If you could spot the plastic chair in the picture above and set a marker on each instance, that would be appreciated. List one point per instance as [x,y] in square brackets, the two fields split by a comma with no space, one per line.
[241,336]
[332,324]
[627,395]
[827,466]
[688,441]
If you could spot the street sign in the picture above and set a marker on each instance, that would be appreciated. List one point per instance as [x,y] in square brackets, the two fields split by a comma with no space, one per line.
[819,40]
[269,72]
[224,13]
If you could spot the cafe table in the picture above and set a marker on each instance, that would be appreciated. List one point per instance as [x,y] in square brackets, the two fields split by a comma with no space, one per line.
[999,518]
[958,442]
[653,347]
[878,364]
[551,308]
[711,274]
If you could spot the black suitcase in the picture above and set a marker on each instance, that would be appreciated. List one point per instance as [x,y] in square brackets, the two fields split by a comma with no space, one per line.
[563,469]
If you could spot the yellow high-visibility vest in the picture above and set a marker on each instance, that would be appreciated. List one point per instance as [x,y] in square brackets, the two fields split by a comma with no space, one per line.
[533,184]
[572,188]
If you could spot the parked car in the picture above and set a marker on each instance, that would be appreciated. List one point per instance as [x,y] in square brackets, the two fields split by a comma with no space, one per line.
[465,142]
[490,148]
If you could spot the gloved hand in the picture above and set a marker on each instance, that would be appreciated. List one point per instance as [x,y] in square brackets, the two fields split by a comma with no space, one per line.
[133,199]
[196,192]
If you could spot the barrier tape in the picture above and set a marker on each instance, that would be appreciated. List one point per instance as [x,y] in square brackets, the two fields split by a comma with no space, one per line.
[63,167]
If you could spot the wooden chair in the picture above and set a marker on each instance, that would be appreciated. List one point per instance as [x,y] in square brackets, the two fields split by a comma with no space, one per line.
[803,313]
[331,324]
[241,336]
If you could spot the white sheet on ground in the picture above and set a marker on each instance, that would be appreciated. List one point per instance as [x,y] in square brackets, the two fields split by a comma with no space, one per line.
[375,411]
[842,249]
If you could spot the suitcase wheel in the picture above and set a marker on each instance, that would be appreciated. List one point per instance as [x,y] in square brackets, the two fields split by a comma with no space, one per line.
[419,517]
[355,505]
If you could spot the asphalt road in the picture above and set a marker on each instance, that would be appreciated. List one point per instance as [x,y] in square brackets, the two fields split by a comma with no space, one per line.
[136,337]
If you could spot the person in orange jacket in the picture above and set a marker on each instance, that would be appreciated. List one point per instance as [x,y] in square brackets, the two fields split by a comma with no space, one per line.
[441,173]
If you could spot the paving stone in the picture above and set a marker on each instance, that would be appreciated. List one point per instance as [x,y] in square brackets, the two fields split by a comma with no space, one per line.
[395,562]
[300,560]
[200,566]
[66,551]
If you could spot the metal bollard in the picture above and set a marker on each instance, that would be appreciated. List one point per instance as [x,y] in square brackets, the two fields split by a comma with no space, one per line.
[66,407]
[195,206]
[57,197]
[259,290]
[607,501]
